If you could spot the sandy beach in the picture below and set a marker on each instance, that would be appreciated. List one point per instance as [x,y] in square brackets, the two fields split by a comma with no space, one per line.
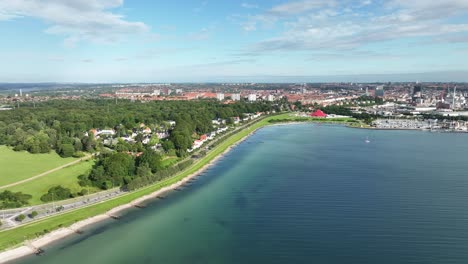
[31,247]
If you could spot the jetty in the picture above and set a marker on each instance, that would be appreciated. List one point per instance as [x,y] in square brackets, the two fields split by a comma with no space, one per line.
[115,217]
[36,250]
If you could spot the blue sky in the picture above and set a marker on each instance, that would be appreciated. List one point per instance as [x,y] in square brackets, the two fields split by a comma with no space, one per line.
[191,40]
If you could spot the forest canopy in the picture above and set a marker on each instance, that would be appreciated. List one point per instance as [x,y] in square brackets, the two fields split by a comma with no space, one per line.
[63,125]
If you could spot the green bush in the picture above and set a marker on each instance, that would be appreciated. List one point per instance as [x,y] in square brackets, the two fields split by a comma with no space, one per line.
[10,199]
[56,193]
[67,150]
[79,154]
[20,218]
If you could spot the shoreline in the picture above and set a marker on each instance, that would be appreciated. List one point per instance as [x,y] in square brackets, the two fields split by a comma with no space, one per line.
[31,247]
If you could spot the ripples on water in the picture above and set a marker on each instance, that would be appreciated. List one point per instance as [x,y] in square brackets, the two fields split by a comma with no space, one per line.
[302,194]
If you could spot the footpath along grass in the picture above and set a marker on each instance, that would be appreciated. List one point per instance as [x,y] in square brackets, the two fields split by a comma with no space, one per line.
[66,177]
[19,165]
[14,237]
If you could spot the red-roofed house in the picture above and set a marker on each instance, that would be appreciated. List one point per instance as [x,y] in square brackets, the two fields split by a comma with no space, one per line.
[318,113]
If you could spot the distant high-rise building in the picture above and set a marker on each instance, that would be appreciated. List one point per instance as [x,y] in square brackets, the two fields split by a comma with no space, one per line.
[21,93]
[454,95]
[252,97]
[417,92]
[270,98]
[178,91]
[417,89]
[156,92]
[379,91]
[236,97]
[220,96]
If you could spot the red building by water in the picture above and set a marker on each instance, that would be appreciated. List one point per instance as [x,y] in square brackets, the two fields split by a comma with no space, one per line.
[318,113]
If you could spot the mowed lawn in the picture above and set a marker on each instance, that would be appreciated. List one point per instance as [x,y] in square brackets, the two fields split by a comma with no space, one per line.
[67,177]
[16,166]
[169,161]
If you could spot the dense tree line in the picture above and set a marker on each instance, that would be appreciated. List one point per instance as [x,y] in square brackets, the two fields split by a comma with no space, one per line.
[62,125]
[118,169]
[10,199]
[343,110]
[149,178]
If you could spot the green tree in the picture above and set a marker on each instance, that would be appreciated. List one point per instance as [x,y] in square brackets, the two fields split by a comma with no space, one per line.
[67,150]
[10,199]
[78,146]
[151,159]
[167,145]
[154,140]
[144,170]
[56,193]
[20,218]
[33,214]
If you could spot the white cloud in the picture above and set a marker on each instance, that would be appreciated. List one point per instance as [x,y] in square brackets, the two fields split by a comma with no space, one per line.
[366,2]
[76,20]
[284,11]
[312,25]
[299,7]
[249,6]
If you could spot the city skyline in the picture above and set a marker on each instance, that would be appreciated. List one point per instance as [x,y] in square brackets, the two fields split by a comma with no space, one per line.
[208,41]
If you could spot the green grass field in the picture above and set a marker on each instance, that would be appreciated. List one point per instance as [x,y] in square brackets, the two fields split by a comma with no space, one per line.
[16,166]
[169,161]
[67,177]
[13,237]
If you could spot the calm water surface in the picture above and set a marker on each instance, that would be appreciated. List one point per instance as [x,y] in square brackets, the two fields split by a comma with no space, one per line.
[304,193]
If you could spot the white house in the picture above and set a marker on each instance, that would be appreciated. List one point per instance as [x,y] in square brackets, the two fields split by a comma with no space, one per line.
[220,96]
[236,97]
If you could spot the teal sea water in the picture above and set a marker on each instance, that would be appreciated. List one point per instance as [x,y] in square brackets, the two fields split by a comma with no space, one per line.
[305,193]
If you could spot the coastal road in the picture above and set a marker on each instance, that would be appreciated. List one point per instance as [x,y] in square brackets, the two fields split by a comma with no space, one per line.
[46,173]
[9,216]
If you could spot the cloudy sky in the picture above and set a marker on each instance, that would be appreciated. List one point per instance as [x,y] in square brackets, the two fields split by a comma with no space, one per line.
[223,40]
